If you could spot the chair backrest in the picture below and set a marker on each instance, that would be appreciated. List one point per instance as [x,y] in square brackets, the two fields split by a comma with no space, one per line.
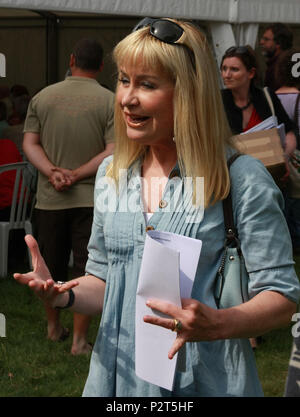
[22,199]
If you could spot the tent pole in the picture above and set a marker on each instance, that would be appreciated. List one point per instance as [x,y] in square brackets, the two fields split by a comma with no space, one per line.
[51,46]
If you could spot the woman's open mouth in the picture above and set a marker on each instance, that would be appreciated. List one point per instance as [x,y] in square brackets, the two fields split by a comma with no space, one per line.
[135,120]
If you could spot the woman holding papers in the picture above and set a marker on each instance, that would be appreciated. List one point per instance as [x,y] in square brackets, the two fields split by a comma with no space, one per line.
[245,104]
[170,127]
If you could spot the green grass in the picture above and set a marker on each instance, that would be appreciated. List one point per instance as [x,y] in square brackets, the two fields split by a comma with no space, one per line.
[272,356]
[32,366]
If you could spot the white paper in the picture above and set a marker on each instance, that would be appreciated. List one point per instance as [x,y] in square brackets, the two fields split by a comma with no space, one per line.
[167,273]
[266,124]
[269,123]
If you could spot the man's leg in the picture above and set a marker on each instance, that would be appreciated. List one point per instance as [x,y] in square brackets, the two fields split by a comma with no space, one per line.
[52,237]
[82,219]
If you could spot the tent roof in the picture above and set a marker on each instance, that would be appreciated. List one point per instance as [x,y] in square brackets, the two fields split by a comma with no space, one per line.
[232,11]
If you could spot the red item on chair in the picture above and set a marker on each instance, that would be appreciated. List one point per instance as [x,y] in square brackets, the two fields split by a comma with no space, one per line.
[9,154]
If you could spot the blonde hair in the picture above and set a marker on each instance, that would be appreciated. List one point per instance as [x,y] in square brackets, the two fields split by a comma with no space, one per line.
[201,129]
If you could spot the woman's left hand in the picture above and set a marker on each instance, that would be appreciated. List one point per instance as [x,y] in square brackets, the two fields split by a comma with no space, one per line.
[199,321]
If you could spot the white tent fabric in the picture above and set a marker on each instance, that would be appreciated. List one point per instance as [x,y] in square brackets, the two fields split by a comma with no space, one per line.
[231,11]
[225,35]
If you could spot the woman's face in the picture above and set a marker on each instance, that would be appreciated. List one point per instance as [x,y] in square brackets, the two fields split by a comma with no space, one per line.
[146,101]
[234,73]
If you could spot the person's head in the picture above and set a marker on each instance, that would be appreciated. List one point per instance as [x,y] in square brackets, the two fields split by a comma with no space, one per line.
[87,55]
[168,82]
[20,104]
[276,38]
[18,90]
[284,69]
[239,67]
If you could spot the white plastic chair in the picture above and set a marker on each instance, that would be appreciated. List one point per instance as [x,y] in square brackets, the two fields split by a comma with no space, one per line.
[21,210]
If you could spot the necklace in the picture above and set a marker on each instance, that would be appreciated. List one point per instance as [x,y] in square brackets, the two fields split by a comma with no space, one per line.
[244,107]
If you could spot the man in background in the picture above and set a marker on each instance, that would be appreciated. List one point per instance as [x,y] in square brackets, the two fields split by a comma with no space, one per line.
[68,133]
[275,39]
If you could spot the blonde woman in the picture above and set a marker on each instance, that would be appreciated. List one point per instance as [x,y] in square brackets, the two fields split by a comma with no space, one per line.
[170,123]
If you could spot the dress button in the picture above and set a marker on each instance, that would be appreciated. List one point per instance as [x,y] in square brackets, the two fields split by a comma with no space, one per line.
[149,228]
[163,204]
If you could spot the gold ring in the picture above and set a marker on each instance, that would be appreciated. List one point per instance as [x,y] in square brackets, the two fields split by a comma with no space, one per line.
[177,325]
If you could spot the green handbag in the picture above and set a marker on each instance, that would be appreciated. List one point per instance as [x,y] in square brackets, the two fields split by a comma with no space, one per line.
[231,285]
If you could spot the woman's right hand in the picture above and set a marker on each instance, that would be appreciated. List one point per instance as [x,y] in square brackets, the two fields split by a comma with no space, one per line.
[40,280]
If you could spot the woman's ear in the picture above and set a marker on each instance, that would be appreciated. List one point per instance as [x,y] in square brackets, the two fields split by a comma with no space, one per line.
[252,73]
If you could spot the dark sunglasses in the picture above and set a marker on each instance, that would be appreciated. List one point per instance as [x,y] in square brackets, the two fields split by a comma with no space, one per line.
[237,50]
[162,29]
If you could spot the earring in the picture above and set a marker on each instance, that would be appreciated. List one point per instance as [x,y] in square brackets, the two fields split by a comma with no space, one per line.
[174,139]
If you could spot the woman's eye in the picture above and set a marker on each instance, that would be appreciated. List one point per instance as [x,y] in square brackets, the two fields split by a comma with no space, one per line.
[148,85]
[123,80]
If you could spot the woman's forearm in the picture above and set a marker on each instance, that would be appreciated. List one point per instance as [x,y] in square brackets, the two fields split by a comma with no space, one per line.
[266,311]
[290,143]
[89,295]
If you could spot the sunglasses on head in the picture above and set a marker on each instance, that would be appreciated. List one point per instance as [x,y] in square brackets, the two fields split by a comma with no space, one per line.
[237,49]
[166,31]
[162,29]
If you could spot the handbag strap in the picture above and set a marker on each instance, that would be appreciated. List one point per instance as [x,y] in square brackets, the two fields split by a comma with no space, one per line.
[231,231]
[296,110]
[270,102]
[296,120]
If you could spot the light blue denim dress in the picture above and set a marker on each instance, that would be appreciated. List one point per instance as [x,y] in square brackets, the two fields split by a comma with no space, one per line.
[219,368]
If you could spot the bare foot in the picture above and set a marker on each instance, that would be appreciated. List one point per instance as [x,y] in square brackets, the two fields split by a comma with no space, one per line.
[58,335]
[82,349]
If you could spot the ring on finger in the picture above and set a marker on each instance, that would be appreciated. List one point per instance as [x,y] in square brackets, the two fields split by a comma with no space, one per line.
[177,325]
[60,282]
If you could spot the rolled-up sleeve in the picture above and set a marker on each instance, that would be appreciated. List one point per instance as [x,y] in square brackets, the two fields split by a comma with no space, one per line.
[32,122]
[262,229]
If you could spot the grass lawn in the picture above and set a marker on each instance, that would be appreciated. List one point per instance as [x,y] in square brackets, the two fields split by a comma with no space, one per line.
[32,366]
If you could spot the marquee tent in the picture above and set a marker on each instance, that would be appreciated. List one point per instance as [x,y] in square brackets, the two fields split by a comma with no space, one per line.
[233,11]
[227,22]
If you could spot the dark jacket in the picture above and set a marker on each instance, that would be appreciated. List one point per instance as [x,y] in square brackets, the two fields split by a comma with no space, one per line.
[235,116]
[270,79]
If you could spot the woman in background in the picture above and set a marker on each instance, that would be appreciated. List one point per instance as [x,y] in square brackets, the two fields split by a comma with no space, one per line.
[246,104]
